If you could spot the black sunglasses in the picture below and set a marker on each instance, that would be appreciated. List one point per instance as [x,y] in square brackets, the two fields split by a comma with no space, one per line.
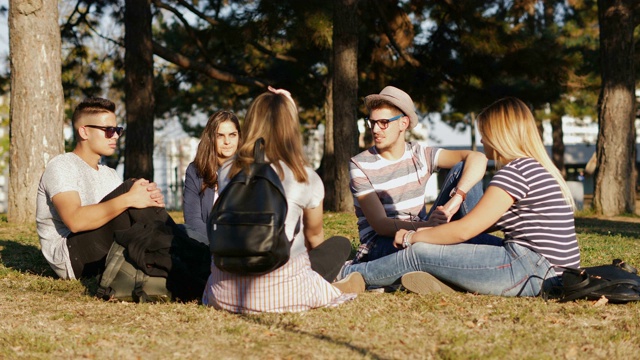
[109,131]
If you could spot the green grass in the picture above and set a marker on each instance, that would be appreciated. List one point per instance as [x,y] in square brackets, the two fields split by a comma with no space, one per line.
[44,317]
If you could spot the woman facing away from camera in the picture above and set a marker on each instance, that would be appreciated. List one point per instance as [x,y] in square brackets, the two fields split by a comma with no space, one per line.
[218,143]
[303,282]
[527,199]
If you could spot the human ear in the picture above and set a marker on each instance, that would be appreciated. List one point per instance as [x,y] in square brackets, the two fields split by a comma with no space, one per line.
[82,132]
[405,123]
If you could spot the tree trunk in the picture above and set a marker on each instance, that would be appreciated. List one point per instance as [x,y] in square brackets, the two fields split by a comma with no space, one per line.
[329,157]
[615,175]
[472,126]
[557,146]
[37,101]
[139,100]
[345,96]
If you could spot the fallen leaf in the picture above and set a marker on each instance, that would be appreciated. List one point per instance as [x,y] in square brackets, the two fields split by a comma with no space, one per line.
[572,353]
[470,324]
[601,302]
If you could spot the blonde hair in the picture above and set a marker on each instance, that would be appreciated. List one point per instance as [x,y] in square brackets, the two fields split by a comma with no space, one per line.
[274,118]
[509,128]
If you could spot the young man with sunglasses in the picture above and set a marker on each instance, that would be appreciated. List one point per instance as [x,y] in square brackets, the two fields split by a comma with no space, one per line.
[81,203]
[388,181]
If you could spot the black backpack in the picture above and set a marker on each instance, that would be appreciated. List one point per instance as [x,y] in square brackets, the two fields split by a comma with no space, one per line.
[618,282]
[246,227]
[121,280]
[178,271]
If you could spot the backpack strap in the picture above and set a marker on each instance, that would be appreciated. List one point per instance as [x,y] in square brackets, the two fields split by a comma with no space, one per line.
[588,284]
[258,151]
[577,292]
[139,295]
[114,261]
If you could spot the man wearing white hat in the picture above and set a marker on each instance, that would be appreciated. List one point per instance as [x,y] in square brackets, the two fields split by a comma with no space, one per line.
[388,180]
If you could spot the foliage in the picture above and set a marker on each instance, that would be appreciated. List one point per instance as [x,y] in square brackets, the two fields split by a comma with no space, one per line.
[462,54]
[284,43]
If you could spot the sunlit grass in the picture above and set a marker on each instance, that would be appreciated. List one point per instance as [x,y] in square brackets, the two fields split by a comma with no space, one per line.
[44,317]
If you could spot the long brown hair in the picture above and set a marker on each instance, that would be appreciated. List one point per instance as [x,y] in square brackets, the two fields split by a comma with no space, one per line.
[509,128]
[206,160]
[274,118]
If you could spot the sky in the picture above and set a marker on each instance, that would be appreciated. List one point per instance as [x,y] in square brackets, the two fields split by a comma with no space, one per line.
[4,35]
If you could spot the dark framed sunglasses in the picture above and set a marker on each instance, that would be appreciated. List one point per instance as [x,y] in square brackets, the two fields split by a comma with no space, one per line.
[109,131]
[383,124]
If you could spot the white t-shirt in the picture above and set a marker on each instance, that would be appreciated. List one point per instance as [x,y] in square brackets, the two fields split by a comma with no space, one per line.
[300,196]
[67,172]
[290,288]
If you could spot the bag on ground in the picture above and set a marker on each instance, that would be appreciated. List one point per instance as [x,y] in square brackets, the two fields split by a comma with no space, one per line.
[121,280]
[154,262]
[618,282]
[246,228]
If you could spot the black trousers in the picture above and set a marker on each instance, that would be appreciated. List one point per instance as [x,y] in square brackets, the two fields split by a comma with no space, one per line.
[88,249]
[328,258]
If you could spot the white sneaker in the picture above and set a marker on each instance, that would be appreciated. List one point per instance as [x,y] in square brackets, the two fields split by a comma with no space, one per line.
[351,284]
[421,282]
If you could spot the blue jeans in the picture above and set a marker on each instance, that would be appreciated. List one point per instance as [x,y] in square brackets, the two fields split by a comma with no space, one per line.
[384,244]
[507,270]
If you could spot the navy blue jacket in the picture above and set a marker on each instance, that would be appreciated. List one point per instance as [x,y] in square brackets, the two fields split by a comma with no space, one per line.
[196,206]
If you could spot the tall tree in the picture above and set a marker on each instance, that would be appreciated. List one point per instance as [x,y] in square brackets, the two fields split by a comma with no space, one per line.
[37,104]
[345,96]
[615,176]
[139,99]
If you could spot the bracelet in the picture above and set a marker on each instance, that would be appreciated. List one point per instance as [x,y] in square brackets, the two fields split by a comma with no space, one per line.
[406,239]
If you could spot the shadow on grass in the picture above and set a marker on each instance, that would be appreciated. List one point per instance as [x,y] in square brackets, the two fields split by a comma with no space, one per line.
[607,227]
[24,258]
[264,322]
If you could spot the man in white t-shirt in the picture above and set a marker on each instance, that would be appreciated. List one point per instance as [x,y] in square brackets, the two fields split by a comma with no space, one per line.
[388,180]
[81,203]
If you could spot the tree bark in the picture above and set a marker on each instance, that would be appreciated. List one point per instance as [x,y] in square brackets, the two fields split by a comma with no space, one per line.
[37,101]
[615,176]
[557,146]
[328,166]
[139,100]
[345,96]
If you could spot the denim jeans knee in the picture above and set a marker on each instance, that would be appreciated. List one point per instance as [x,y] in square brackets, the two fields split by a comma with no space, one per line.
[450,182]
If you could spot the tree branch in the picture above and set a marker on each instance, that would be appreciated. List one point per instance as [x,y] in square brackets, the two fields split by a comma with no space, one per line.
[186,25]
[206,69]
[200,14]
[635,11]
[67,25]
[387,31]
[269,52]
[257,45]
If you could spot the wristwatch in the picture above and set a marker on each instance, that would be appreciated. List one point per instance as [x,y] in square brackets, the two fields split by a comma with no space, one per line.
[456,191]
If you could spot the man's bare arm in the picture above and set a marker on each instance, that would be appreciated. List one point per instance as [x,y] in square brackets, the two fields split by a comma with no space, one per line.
[79,218]
[377,217]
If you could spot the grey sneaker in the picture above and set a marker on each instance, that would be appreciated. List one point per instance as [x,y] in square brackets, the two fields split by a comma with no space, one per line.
[352,283]
[421,282]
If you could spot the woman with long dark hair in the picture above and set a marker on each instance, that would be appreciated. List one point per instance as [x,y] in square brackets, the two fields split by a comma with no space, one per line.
[219,142]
